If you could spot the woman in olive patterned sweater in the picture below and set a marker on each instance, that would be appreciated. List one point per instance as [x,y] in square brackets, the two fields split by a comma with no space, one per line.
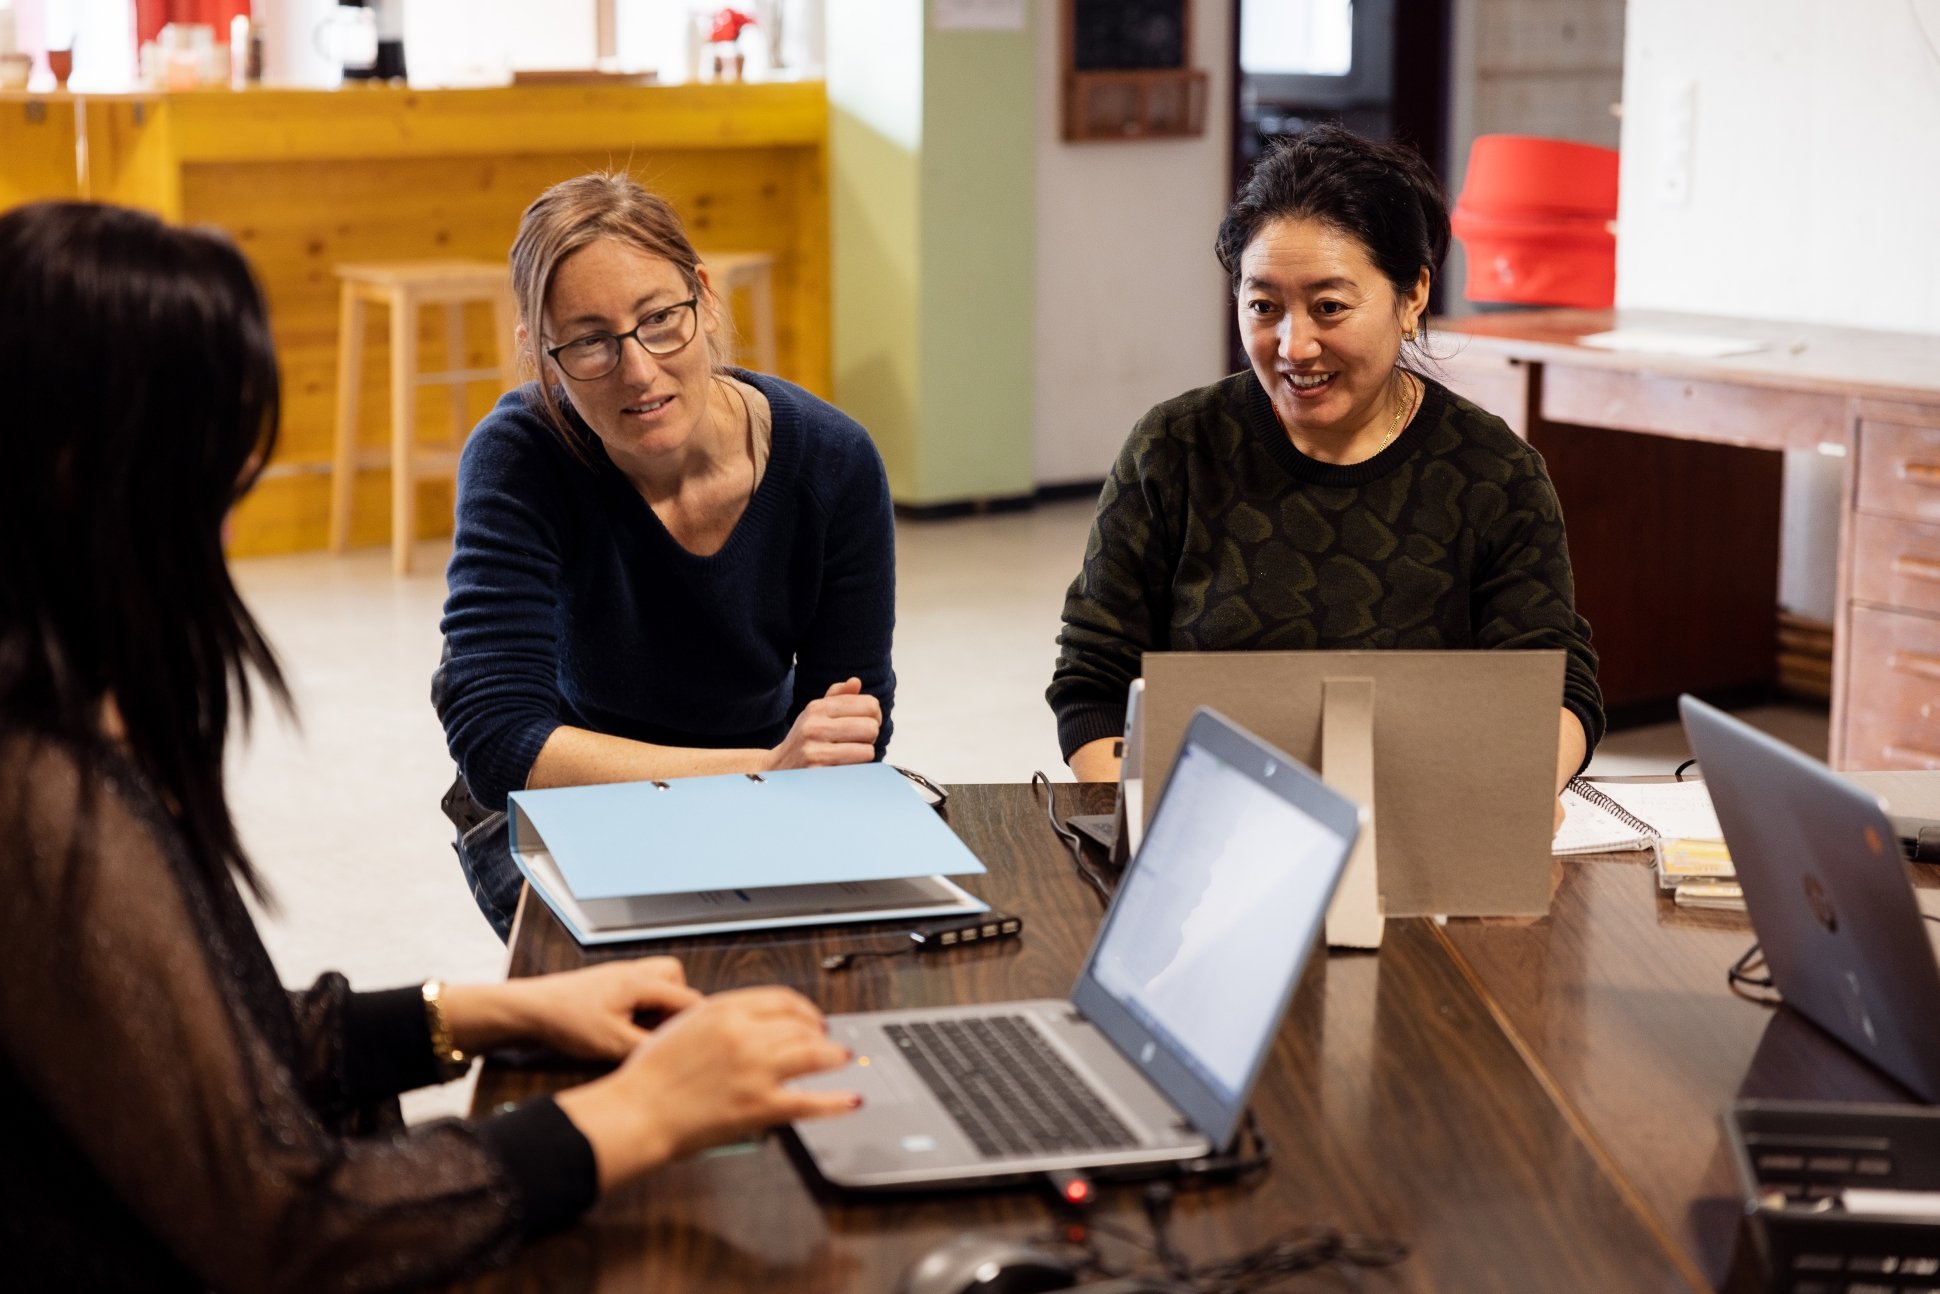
[1333,496]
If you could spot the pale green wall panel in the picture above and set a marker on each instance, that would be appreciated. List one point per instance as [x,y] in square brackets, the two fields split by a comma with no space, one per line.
[932,162]
[875,268]
[978,244]
[875,87]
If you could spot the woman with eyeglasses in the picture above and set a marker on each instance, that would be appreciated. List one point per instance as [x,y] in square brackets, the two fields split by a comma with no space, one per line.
[171,1118]
[663,566]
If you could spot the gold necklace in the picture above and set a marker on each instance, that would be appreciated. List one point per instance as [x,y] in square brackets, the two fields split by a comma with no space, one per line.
[1394,423]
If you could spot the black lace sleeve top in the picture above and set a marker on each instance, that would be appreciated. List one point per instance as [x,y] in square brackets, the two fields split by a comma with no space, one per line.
[170,1117]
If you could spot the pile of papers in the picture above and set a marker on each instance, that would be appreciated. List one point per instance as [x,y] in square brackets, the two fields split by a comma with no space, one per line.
[1698,874]
[1674,820]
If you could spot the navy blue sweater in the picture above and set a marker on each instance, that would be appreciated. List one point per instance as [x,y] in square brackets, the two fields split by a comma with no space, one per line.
[570,604]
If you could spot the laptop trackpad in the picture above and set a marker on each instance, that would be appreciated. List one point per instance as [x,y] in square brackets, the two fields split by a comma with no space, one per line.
[879,1084]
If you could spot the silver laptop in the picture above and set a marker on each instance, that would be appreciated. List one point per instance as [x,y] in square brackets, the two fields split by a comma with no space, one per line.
[1828,895]
[1118,831]
[1155,1054]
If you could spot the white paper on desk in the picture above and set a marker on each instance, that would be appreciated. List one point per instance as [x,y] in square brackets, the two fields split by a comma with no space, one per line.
[1675,810]
[1671,811]
[1587,829]
[1658,341]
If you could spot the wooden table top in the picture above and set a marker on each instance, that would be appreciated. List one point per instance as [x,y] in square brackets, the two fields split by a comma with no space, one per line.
[1396,1102]
[1796,356]
[1618,999]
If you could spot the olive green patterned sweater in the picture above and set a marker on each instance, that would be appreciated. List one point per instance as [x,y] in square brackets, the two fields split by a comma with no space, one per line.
[1214,533]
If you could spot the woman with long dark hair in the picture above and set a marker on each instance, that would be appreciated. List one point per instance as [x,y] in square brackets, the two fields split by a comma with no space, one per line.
[170,1116]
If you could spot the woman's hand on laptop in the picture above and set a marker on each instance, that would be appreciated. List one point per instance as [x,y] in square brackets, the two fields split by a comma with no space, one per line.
[590,1014]
[838,728]
[713,1074]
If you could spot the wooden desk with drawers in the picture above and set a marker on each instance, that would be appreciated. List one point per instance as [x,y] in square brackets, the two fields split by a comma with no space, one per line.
[1674,532]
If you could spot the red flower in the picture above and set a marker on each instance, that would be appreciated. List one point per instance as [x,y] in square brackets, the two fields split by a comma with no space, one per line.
[728,24]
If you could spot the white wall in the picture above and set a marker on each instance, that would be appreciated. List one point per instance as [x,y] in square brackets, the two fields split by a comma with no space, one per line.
[472,42]
[1814,188]
[875,66]
[1131,306]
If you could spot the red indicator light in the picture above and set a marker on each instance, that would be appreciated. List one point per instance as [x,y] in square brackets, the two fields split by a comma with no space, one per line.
[1077,1191]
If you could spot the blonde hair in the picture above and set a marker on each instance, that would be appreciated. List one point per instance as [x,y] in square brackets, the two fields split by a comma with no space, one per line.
[572,215]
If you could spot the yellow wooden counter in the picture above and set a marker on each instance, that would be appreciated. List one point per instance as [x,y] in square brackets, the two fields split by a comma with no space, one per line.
[305,180]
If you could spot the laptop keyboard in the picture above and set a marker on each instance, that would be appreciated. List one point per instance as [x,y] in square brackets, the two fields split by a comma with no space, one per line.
[1009,1092]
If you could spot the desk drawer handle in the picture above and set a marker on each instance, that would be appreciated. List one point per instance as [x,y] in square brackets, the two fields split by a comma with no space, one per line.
[1918,568]
[1920,473]
[1913,662]
[1904,754]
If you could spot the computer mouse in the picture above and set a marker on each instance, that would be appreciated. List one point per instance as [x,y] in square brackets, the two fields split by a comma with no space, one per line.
[974,1264]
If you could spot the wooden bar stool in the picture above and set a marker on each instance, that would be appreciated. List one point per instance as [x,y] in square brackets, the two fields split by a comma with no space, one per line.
[405,287]
[754,273]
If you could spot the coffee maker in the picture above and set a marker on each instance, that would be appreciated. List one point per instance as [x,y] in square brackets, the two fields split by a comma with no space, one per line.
[389,63]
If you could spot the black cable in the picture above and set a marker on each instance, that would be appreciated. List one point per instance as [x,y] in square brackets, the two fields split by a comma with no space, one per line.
[1679,774]
[1741,974]
[1158,1212]
[1299,1250]
[843,960]
[1290,1253]
[1252,1153]
[1071,839]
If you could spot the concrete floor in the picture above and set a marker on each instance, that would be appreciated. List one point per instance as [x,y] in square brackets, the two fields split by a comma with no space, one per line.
[340,810]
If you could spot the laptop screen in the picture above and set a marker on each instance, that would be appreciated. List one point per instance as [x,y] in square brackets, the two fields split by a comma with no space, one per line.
[1209,931]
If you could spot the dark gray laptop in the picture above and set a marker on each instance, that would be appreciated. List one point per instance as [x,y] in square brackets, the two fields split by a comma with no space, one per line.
[1828,895]
[1155,1054]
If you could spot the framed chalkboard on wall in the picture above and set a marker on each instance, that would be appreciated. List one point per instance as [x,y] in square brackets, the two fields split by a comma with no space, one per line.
[1129,35]
[1128,70]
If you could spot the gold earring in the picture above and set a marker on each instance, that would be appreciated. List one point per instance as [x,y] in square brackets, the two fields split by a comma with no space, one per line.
[1410,334]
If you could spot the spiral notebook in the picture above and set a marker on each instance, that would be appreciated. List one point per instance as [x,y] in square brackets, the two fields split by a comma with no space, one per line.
[1609,817]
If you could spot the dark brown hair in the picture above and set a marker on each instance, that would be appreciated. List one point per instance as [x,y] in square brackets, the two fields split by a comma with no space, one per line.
[1384,196]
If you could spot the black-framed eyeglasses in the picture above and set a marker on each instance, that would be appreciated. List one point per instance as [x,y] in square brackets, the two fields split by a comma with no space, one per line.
[664,331]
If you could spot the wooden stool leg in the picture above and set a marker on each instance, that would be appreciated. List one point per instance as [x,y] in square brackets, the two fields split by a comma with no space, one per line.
[761,297]
[343,460]
[404,408]
[505,323]
[455,361]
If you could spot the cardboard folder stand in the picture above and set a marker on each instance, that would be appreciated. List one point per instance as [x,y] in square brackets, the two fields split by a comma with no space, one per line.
[1453,753]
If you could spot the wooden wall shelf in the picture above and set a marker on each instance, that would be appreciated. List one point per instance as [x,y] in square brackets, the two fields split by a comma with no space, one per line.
[1134,105]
